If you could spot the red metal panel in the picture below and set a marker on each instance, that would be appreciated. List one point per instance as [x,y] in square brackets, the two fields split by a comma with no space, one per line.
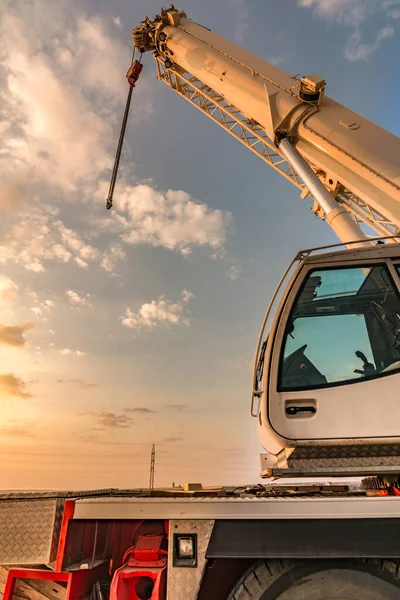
[144,571]
[146,550]
[81,582]
[144,564]
[9,587]
[69,507]
[14,574]
[38,574]
[128,581]
[121,537]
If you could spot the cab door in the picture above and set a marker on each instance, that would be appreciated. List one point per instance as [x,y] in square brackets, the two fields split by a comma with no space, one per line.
[335,364]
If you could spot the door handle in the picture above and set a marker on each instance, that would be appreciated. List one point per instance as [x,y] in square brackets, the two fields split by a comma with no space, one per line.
[294,410]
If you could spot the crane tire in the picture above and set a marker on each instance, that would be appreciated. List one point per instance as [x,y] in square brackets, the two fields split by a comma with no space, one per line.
[344,579]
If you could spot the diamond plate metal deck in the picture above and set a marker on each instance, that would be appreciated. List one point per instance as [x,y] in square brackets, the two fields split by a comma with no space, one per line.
[29,531]
[183,583]
[354,452]
[313,457]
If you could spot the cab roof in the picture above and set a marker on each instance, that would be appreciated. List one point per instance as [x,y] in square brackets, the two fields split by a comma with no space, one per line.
[351,254]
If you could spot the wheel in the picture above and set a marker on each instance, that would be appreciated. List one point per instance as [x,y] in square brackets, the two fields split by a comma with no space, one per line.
[319,580]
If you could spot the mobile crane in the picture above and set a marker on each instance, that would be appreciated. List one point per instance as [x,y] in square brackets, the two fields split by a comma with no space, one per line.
[330,361]
[334,345]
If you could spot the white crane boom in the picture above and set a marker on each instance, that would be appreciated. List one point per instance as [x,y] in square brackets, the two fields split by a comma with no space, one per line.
[259,104]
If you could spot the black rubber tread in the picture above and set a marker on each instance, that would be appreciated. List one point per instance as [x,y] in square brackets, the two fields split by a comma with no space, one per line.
[263,574]
[258,578]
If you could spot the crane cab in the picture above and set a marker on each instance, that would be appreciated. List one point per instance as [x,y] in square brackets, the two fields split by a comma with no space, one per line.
[328,374]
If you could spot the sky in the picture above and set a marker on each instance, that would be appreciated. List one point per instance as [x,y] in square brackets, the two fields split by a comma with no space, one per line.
[123,329]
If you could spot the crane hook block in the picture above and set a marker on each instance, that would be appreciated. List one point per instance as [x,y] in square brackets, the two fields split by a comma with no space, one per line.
[133,72]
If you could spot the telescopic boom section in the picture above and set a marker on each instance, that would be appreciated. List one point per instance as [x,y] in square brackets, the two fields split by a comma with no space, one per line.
[348,165]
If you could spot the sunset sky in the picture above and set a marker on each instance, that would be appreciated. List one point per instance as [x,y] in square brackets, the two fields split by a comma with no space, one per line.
[137,326]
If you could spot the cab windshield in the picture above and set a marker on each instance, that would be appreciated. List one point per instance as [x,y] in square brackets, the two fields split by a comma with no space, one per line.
[344,326]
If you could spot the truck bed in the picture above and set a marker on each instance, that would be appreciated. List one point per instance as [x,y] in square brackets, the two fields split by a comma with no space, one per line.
[41,530]
[31,522]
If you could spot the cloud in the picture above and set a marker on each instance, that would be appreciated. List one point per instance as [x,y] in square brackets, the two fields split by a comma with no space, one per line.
[173,220]
[112,258]
[241,19]
[113,421]
[81,263]
[186,295]
[355,50]
[35,266]
[89,252]
[274,60]
[171,440]
[158,312]
[75,299]
[12,385]
[16,431]
[234,271]
[13,335]
[10,193]
[353,14]
[67,351]
[42,306]
[176,407]
[85,385]
[8,289]
[58,141]
[388,4]
[139,410]
[392,8]
[53,132]
[38,235]
[57,129]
